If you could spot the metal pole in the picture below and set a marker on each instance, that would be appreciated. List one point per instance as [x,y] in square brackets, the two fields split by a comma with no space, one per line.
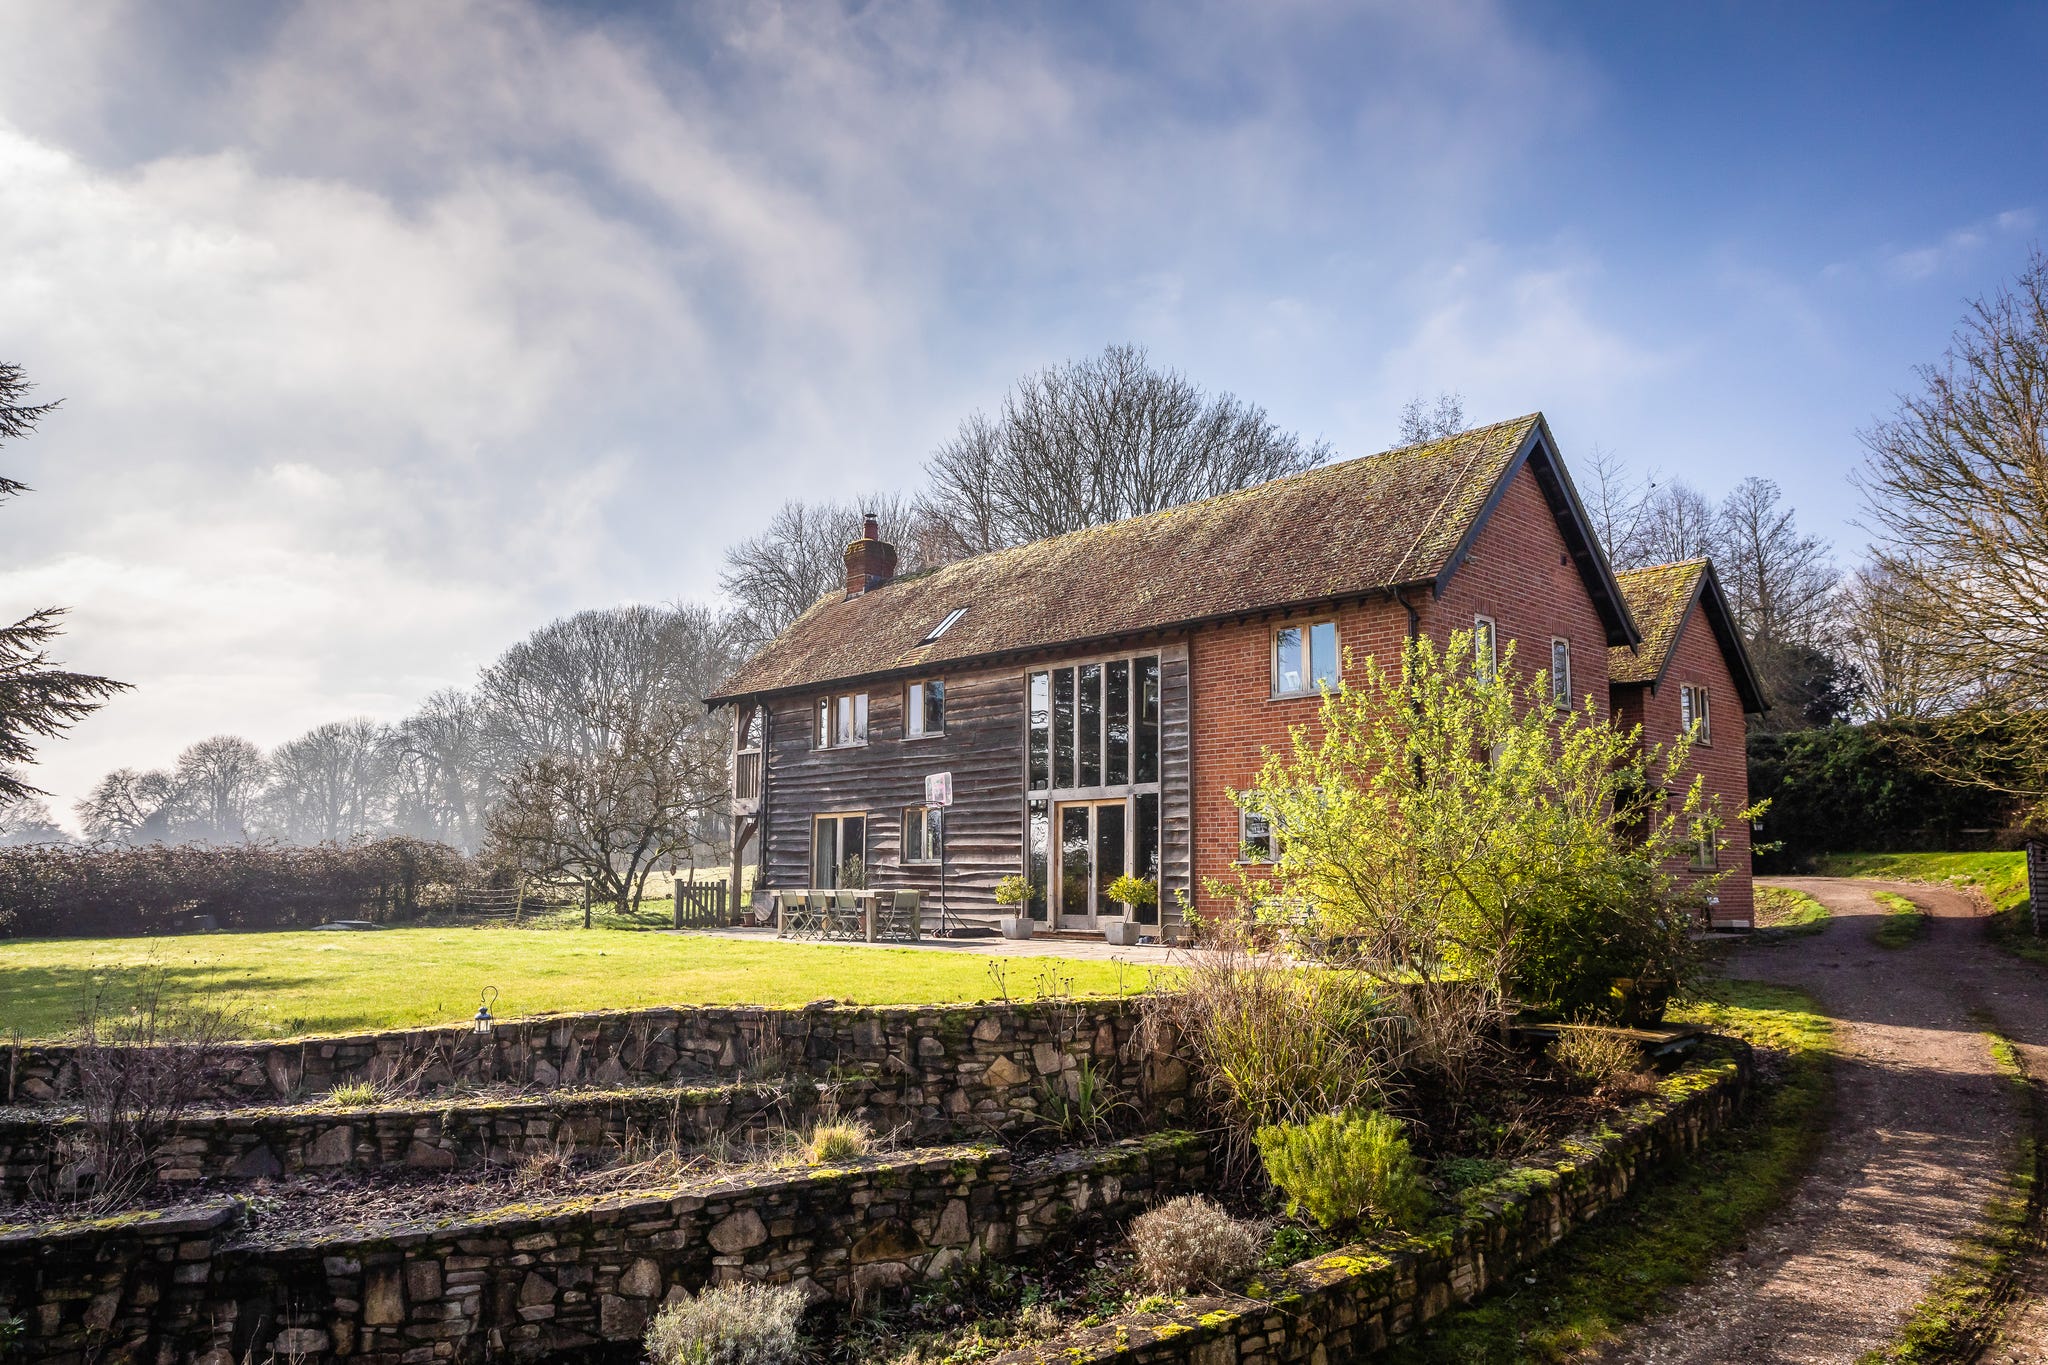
[945,919]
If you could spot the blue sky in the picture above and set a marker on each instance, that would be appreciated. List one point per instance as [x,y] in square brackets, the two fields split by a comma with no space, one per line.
[389,330]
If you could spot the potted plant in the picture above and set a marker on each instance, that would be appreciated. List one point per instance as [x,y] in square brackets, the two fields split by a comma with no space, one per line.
[1015,892]
[1133,892]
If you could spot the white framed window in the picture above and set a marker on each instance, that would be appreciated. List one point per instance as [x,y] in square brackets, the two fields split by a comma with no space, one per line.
[1255,843]
[842,721]
[924,709]
[1561,673]
[1704,846]
[1305,659]
[920,834]
[1485,649]
[1695,714]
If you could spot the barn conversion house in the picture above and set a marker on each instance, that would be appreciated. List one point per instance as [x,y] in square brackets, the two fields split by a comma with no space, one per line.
[1096,696]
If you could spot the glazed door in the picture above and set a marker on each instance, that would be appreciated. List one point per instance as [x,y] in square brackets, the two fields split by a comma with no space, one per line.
[1091,850]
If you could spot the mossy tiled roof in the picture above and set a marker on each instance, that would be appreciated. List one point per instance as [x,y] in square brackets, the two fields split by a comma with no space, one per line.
[1337,531]
[1658,597]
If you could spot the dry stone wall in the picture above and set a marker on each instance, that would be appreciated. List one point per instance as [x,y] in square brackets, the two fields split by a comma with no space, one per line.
[649,1047]
[524,1283]
[1348,1304]
[924,1074]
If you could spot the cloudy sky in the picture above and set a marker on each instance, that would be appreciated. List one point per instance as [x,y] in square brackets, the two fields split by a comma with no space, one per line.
[388,331]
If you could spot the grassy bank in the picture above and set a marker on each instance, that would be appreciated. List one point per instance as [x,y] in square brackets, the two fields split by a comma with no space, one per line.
[2002,877]
[295,983]
[1903,923]
[1782,912]
[1618,1271]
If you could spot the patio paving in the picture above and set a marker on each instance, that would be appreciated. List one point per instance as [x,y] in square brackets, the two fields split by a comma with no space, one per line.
[1143,955]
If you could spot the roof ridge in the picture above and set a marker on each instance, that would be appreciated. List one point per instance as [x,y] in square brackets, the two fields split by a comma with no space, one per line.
[1401,567]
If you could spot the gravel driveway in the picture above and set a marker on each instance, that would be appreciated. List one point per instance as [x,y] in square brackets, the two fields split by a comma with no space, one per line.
[1922,1136]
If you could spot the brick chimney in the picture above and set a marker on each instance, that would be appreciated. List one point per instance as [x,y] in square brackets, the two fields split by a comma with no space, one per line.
[870,561]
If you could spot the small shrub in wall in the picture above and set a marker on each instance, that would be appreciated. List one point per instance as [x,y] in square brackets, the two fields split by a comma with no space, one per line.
[1342,1169]
[1191,1243]
[1598,1062]
[835,1142]
[730,1324]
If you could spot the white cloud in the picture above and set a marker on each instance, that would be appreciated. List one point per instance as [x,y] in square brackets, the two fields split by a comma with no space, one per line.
[388,330]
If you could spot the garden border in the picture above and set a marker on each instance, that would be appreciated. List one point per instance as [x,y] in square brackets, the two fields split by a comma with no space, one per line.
[1362,1298]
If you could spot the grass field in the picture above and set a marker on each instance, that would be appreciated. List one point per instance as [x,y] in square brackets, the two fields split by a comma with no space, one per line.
[297,983]
[1679,1227]
[1904,922]
[1784,913]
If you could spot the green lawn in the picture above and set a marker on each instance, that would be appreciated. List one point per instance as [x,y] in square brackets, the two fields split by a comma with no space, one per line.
[1784,913]
[1904,922]
[298,983]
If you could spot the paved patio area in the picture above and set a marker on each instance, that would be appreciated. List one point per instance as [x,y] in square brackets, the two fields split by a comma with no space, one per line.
[1144,955]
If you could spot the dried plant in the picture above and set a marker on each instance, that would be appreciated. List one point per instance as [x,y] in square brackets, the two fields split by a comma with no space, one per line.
[145,1053]
[1601,1062]
[1191,1243]
[730,1324]
[842,1140]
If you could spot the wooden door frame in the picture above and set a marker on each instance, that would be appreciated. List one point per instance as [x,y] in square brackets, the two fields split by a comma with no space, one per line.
[1056,858]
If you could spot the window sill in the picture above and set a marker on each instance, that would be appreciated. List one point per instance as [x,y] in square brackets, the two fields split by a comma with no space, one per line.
[934,734]
[835,748]
[1302,696]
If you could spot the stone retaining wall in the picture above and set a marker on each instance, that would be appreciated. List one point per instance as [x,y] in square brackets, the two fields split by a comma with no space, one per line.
[928,1074]
[644,1047]
[1352,1302]
[458,1133]
[532,1281]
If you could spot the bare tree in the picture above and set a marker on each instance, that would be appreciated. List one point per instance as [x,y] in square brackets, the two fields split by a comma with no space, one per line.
[218,783]
[130,806]
[331,783]
[778,575]
[1093,441]
[38,699]
[443,777]
[1956,484]
[1423,423]
[1898,677]
[26,821]
[1618,501]
[613,765]
[1677,524]
[1781,586]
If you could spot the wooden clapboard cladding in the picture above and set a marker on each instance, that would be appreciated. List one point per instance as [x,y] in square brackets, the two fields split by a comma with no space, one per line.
[983,747]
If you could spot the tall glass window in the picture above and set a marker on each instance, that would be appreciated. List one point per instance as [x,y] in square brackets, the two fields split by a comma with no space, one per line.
[1038,829]
[1063,728]
[1116,723]
[1090,741]
[1148,720]
[1145,849]
[1040,744]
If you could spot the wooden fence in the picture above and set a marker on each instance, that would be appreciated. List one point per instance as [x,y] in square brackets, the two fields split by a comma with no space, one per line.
[2037,884]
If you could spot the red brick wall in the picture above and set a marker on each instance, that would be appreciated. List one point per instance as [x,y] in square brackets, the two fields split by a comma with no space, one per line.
[1519,573]
[1724,762]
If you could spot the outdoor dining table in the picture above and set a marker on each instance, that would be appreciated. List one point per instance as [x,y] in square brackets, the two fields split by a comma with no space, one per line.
[868,903]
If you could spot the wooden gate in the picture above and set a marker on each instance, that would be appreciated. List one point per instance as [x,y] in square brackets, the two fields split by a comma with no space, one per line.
[702,905]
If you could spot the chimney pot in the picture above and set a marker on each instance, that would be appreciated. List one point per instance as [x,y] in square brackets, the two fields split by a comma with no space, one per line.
[870,529]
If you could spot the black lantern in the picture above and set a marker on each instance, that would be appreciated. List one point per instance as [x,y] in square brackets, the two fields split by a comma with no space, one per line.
[482,1023]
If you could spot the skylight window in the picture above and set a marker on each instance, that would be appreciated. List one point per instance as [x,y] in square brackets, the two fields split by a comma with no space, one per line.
[942,627]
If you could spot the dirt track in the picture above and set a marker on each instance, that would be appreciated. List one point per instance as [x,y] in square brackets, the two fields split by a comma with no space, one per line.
[1922,1136]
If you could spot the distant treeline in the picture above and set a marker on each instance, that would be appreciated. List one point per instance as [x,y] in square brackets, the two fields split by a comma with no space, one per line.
[1870,788]
[75,891]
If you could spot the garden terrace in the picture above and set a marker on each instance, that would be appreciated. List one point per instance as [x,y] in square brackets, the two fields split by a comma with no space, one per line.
[537,1280]
[1359,1299]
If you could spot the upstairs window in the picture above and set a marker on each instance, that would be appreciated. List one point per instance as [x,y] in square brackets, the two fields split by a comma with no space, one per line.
[924,709]
[1485,650]
[842,720]
[1695,716]
[1561,674]
[1304,659]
